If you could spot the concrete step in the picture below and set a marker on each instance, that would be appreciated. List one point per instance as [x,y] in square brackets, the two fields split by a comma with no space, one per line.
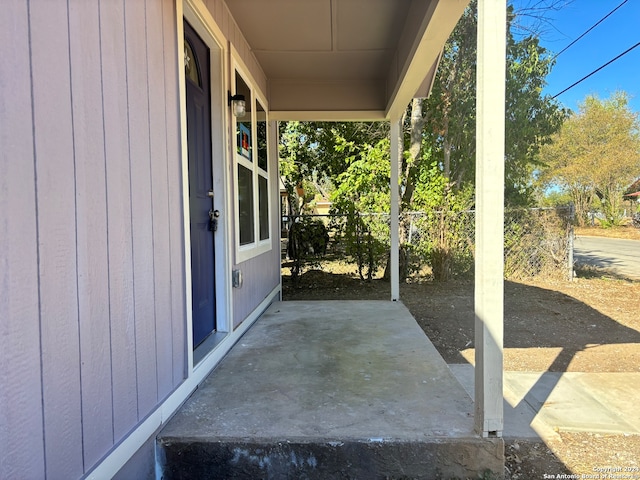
[322,460]
[329,389]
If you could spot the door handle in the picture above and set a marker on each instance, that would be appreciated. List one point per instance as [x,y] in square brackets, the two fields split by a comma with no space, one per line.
[210,193]
[213,220]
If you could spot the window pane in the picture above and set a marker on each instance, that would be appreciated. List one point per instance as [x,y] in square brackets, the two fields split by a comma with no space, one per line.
[263,207]
[245,205]
[243,124]
[190,64]
[261,130]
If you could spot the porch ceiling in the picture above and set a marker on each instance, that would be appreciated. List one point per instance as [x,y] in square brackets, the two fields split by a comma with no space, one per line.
[345,59]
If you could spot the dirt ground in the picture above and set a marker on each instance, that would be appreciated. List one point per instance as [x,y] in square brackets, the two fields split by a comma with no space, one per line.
[627,231]
[589,325]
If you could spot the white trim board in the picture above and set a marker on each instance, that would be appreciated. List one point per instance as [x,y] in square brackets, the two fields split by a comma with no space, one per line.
[110,466]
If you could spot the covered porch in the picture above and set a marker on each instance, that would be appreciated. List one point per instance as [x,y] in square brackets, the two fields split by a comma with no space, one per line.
[354,389]
[329,389]
[97,349]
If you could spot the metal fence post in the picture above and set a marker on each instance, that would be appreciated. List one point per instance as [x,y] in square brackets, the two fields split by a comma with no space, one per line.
[570,242]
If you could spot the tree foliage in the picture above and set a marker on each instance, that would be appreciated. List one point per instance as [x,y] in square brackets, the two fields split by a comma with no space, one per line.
[596,155]
[438,163]
[444,124]
[363,187]
[531,117]
[317,153]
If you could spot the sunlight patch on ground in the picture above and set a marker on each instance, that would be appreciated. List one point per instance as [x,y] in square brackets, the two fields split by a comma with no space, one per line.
[591,358]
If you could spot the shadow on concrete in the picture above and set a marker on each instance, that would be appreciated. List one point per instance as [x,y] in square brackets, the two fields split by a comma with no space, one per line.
[567,330]
[572,332]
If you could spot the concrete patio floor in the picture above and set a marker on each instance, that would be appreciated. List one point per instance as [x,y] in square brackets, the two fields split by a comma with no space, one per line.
[329,389]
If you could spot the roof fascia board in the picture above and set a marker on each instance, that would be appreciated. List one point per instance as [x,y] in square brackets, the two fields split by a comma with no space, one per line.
[427,84]
[438,22]
[327,116]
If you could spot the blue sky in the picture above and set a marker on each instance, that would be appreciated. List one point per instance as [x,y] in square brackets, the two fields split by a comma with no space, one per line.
[613,36]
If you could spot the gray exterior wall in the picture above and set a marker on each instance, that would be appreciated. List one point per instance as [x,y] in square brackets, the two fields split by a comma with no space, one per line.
[92,331]
[92,271]
[261,275]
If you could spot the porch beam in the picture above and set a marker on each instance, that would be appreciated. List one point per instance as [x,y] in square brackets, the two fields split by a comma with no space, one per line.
[396,155]
[428,26]
[328,115]
[489,262]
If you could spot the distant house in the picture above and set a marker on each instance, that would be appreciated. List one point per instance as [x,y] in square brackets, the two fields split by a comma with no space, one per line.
[139,198]
[633,192]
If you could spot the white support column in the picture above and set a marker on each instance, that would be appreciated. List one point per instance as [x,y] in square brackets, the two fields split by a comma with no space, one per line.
[489,262]
[396,152]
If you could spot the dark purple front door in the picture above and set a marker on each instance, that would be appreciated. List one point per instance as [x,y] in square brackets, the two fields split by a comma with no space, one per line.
[197,68]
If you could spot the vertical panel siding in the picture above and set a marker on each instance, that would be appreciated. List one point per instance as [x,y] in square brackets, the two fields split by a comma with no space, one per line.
[92,335]
[56,206]
[159,197]
[91,233]
[260,278]
[141,209]
[21,443]
[174,174]
[116,138]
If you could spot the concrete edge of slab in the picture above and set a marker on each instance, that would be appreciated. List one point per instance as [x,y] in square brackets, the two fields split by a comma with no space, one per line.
[445,458]
[167,439]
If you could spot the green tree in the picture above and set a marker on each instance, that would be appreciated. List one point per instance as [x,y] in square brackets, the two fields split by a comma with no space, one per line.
[313,153]
[439,135]
[595,156]
[531,116]
[362,194]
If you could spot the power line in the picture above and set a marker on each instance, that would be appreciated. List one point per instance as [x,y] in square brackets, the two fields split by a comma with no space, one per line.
[591,28]
[597,70]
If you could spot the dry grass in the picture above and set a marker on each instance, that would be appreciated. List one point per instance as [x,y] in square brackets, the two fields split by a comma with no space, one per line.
[626,231]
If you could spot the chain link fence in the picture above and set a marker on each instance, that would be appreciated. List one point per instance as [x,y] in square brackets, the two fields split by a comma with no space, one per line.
[434,245]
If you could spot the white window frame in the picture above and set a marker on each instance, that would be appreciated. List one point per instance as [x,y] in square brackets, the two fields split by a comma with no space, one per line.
[257,247]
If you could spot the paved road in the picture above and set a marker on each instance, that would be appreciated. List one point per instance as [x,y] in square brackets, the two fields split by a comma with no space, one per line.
[619,255]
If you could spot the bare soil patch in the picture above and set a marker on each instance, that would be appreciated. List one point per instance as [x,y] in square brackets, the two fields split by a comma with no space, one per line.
[589,325]
[625,231]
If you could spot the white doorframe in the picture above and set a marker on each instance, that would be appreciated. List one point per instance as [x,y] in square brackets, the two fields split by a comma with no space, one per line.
[196,13]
